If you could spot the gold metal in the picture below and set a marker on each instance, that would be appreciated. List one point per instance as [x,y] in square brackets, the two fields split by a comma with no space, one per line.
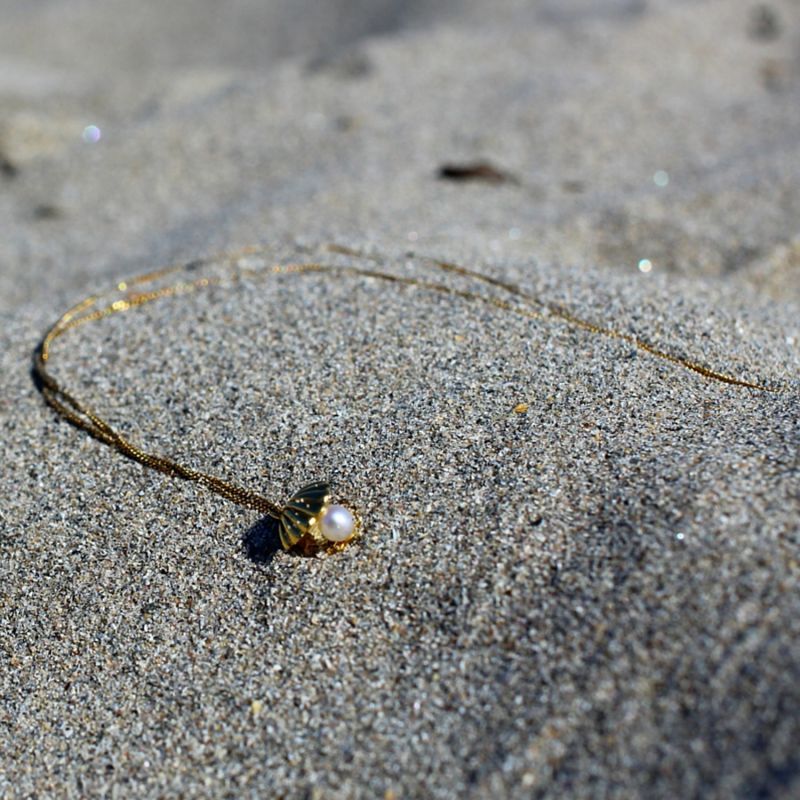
[301,515]
[298,518]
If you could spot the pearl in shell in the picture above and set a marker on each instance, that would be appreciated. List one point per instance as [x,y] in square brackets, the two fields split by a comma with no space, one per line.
[337,524]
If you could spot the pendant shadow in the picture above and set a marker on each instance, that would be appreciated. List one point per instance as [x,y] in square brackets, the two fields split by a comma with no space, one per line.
[261,541]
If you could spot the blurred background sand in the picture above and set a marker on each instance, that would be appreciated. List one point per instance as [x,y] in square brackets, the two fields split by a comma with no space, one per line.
[596,598]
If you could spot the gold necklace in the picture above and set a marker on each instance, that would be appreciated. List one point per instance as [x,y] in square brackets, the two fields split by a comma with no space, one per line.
[310,520]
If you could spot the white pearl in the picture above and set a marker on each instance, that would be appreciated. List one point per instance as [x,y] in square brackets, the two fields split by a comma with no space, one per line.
[337,524]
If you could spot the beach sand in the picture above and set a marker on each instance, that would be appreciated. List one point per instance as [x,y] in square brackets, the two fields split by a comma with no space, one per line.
[596,596]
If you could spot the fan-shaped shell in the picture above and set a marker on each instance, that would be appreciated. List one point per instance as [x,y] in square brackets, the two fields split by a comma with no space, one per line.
[301,512]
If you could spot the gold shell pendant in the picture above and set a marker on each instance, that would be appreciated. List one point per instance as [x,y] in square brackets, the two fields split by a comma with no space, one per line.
[312,520]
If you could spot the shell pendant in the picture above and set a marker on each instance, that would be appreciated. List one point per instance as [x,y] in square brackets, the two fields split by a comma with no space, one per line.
[312,519]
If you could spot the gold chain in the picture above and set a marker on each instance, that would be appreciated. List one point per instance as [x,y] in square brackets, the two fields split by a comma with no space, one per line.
[91,310]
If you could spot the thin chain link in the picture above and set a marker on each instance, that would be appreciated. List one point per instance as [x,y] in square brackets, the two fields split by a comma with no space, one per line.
[82,416]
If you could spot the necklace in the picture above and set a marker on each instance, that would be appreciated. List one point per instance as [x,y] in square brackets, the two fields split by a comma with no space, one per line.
[312,519]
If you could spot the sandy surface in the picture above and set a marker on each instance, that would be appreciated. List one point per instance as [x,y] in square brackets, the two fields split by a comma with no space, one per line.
[596,597]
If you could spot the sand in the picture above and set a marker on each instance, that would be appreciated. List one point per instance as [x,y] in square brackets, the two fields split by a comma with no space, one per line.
[594,597]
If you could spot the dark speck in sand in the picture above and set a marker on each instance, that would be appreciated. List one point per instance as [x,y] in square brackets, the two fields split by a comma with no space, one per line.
[479,171]
[765,24]
[47,211]
[8,168]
